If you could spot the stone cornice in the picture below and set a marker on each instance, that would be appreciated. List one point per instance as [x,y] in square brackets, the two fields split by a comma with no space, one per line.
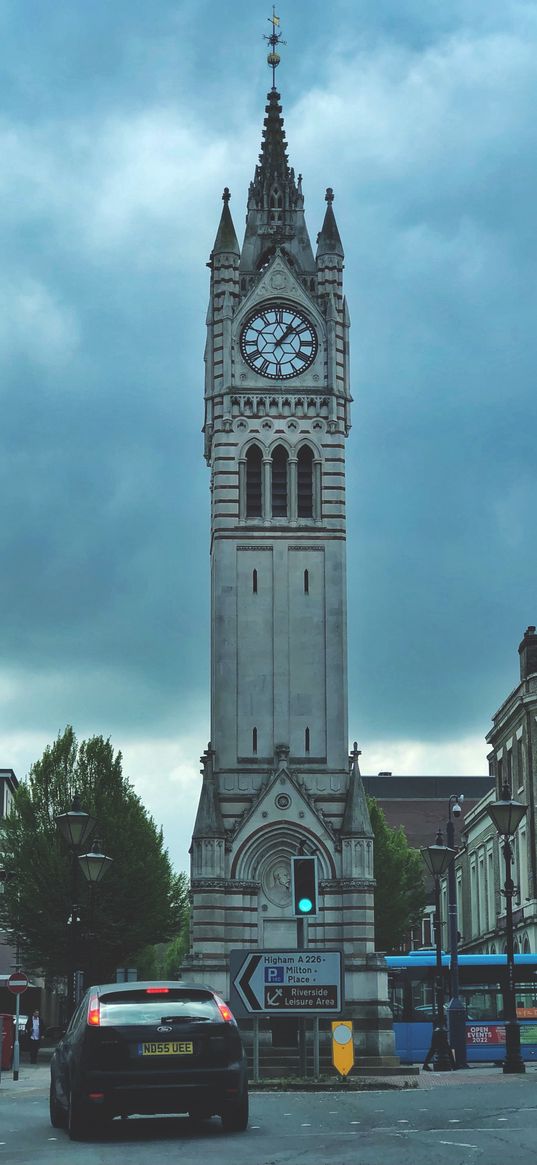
[231,885]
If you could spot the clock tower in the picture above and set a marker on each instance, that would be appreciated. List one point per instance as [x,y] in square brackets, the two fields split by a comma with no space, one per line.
[277,777]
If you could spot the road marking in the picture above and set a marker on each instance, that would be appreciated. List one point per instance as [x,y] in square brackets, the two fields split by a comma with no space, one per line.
[454,1120]
[355,1122]
[503,1118]
[459,1144]
[249,1126]
[307,1125]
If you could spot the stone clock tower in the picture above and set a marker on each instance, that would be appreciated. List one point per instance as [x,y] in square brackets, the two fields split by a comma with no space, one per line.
[277,778]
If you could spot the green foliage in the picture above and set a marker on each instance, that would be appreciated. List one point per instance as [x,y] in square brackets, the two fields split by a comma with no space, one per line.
[139,902]
[400,895]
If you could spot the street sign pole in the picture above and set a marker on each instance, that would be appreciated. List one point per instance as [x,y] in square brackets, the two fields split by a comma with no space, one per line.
[16,1045]
[301,939]
[17,983]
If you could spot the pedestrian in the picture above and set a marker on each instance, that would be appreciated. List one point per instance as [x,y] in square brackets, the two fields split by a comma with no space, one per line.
[34,1032]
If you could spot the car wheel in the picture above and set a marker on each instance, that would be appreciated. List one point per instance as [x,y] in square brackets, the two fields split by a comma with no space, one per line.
[77,1123]
[235,1115]
[58,1116]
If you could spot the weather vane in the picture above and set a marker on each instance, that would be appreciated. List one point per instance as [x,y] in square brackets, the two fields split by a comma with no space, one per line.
[275,39]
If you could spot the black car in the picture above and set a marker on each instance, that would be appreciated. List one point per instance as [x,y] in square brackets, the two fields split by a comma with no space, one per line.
[148,1048]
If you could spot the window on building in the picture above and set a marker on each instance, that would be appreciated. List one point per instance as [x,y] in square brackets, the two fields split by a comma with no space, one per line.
[306,582]
[500,776]
[254,740]
[307,740]
[519,765]
[279,482]
[254,464]
[254,581]
[305,482]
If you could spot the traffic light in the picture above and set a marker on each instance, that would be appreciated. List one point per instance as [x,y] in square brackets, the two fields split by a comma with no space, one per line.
[304,877]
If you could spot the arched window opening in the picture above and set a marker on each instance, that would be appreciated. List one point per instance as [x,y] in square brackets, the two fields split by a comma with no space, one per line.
[527,949]
[305,482]
[254,581]
[279,482]
[254,740]
[306,582]
[307,740]
[276,204]
[254,460]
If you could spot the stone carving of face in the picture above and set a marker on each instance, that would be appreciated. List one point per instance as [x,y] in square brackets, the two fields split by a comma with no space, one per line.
[278,883]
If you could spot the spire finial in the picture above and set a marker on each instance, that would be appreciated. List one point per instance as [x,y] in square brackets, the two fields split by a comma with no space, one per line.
[274,40]
[226,195]
[329,196]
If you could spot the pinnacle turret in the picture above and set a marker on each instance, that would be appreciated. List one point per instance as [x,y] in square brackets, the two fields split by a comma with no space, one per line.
[328,239]
[356,820]
[226,241]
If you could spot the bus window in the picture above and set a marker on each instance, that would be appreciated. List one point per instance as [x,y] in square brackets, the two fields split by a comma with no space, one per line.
[484,1004]
[526,1000]
[422,1000]
[396,995]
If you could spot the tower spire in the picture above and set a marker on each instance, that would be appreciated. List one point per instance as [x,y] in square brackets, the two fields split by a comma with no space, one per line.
[274,40]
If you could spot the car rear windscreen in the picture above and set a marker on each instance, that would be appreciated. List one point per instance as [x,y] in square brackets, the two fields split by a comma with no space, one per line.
[140,1007]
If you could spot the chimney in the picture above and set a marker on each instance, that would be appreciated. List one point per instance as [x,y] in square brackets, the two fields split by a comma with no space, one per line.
[528,654]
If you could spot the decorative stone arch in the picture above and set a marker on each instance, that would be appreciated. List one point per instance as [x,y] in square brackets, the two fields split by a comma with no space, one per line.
[251,501]
[279,842]
[309,481]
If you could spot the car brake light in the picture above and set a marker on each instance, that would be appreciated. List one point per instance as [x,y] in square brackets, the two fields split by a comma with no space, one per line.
[157,990]
[94,1011]
[224,1010]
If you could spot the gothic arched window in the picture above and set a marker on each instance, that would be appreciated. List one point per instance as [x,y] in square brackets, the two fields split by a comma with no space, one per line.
[254,460]
[305,482]
[276,204]
[279,482]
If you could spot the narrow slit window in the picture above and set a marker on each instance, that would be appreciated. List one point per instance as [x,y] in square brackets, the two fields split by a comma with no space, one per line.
[306,582]
[254,460]
[254,581]
[279,482]
[305,482]
[254,740]
[307,740]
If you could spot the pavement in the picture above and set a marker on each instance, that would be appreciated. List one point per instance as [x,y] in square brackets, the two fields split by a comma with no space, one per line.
[35,1077]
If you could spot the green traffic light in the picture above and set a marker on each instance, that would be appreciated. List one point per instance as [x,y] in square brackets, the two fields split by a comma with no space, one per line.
[305,905]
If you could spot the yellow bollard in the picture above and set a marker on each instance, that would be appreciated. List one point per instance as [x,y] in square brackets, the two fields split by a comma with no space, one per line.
[342,1046]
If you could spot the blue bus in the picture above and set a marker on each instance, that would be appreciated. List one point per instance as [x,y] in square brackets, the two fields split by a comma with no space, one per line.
[482,986]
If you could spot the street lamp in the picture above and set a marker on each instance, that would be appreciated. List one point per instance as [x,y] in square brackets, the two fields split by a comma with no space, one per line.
[506,816]
[456,1011]
[94,865]
[75,827]
[437,858]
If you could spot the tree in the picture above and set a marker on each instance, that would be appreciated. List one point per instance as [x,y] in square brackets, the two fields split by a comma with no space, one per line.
[400,895]
[140,901]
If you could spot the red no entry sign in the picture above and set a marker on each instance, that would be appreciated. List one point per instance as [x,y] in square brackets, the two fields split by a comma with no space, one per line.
[17,982]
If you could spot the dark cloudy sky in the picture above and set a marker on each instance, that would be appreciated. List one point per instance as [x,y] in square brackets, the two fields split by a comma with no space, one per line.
[121,124]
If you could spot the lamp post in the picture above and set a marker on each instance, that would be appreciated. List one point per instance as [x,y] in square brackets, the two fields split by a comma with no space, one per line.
[75,827]
[437,858]
[456,1011]
[506,816]
[94,865]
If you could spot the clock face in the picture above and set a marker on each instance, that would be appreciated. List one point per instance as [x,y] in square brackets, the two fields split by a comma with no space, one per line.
[278,342]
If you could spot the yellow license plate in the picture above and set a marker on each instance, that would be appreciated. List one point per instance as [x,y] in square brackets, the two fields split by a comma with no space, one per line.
[167,1048]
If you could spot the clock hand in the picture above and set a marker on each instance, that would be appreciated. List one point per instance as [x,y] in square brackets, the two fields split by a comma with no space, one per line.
[287,333]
